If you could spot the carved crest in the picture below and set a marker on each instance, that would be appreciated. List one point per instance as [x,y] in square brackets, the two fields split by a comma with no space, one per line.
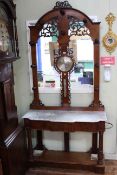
[64,4]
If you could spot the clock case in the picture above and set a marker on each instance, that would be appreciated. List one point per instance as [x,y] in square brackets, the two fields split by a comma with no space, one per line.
[12,136]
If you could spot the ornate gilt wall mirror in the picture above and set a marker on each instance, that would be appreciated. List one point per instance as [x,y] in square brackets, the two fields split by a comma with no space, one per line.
[65,44]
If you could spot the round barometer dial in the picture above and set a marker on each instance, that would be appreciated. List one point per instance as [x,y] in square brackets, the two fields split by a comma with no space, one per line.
[64,63]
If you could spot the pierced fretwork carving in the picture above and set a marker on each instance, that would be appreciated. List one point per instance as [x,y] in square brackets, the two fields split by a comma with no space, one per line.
[77,27]
[64,4]
[50,29]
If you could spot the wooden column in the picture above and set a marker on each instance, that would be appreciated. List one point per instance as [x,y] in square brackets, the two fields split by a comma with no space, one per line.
[40,145]
[94,149]
[30,148]
[1,172]
[100,151]
[66,141]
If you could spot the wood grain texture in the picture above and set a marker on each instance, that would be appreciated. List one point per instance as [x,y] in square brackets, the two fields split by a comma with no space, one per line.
[110,169]
[63,18]
[66,160]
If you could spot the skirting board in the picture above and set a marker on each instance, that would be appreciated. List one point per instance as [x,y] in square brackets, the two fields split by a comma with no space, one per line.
[110,156]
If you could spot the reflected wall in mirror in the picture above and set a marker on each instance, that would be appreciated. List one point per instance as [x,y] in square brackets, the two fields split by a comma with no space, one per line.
[82,78]
[83,50]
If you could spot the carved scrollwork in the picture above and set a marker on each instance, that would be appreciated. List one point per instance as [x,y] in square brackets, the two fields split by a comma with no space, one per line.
[50,29]
[77,27]
[63,84]
[64,4]
[69,87]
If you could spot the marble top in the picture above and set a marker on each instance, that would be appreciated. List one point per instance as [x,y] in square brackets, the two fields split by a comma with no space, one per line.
[66,116]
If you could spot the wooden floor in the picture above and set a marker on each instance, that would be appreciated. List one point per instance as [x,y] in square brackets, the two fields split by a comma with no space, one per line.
[111,169]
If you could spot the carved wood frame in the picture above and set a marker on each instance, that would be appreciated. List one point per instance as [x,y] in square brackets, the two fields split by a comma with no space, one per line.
[61,14]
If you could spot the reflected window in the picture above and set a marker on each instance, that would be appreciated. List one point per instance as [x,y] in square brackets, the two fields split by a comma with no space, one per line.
[84,58]
[47,74]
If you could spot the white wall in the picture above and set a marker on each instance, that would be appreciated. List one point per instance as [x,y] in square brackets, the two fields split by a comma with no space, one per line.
[34,9]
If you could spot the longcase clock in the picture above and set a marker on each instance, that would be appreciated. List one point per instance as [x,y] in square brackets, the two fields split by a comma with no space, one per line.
[11,135]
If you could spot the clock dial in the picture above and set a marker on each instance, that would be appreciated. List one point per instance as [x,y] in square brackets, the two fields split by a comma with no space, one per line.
[64,63]
[4,37]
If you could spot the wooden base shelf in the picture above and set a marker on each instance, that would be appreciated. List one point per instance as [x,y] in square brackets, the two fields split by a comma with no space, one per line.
[66,160]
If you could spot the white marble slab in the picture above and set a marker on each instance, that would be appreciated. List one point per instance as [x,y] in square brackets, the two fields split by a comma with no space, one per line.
[66,116]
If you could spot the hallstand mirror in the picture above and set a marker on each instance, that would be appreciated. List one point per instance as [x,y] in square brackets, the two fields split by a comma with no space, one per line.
[65,47]
[65,44]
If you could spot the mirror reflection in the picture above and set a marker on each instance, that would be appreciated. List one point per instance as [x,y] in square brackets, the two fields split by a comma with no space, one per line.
[47,75]
[83,50]
[83,55]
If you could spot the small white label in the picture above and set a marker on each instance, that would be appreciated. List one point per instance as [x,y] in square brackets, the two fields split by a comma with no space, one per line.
[94,156]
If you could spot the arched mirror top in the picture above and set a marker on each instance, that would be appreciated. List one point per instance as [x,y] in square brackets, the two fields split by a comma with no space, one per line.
[73,16]
[63,30]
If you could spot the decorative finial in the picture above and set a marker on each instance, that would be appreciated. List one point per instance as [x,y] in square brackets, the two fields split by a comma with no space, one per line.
[110,38]
[64,4]
[110,19]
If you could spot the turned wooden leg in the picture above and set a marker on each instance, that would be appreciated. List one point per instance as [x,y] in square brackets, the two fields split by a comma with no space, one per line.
[40,145]
[94,149]
[1,170]
[66,141]
[30,148]
[100,151]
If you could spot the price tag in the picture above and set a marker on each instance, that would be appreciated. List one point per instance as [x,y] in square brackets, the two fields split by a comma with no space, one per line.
[107,60]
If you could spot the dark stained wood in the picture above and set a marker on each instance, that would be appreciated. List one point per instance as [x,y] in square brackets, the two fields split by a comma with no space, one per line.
[110,169]
[62,16]
[64,126]
[65,90]
[100,151]
[40,145]
[72,108]
[94,149]
[1,171]
[65,160]
[33,37]
[30,149]
[66,141]
[8,110]
[13,152]
[97,127]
